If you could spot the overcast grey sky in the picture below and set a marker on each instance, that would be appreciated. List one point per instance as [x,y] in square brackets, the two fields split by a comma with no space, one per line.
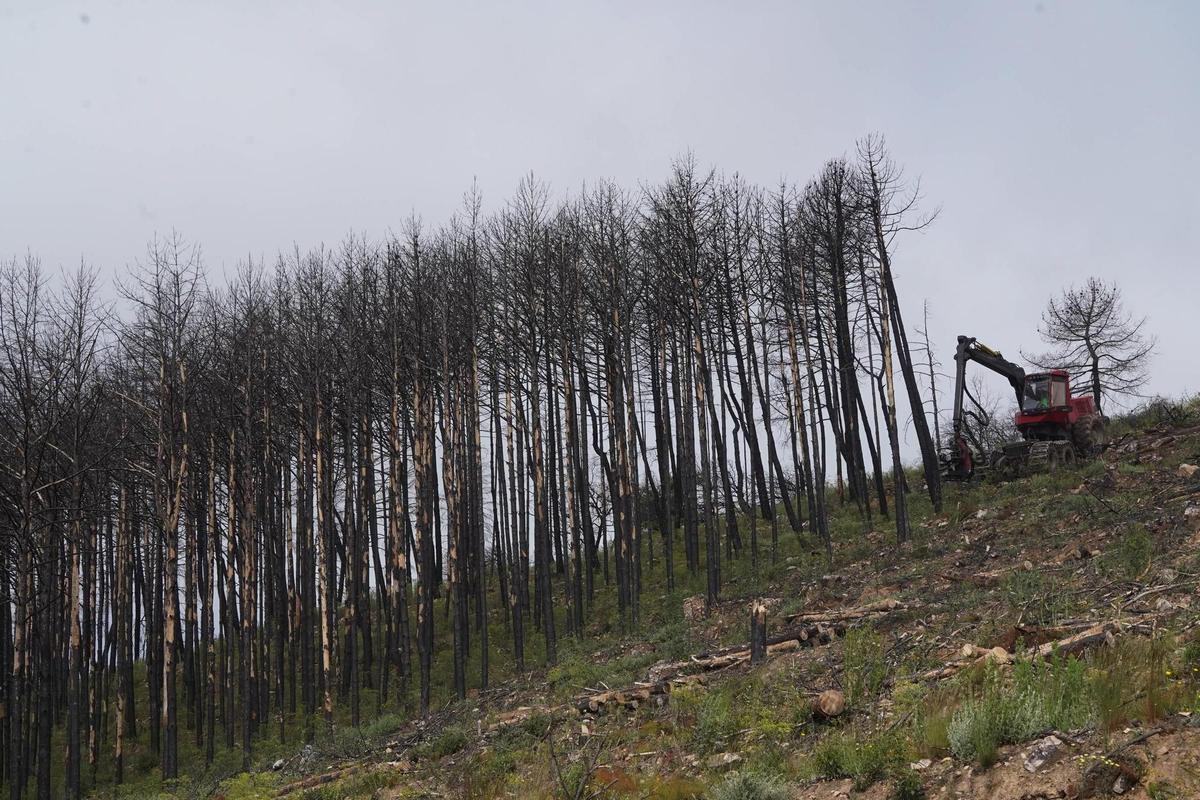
[1059,139]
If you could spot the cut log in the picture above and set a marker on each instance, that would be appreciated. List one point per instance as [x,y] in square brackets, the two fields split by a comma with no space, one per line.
[885,606]
[633,696]
[1094,636]
[662,677]
[814,633]
[1104,633]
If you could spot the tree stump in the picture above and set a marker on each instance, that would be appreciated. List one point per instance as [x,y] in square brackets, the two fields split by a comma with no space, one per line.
[831,703]
[758,632]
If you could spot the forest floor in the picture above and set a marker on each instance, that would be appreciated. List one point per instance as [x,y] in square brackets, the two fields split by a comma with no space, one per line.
[941,655]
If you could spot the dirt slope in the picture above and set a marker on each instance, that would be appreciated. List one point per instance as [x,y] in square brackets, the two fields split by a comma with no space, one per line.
[959,612]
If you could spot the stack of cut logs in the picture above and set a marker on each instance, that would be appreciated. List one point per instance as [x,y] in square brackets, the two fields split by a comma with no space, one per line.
[805,629]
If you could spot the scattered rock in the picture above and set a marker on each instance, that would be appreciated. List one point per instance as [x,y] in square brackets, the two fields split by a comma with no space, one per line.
[831,703]
[1122,784]
[981,513]
[917,766]
[278,765]
[1192,512]
[1188,470]
[1042,752]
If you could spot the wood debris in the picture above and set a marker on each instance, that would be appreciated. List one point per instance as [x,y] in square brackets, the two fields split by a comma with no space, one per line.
[1086,639]
[884,606]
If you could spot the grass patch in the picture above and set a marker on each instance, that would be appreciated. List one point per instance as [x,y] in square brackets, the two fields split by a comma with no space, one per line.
[712,717]
[764,713]
[1129,555]
[930,728]
[1035,596]
[865,667]
[578,669]
[365,785]
[907,786]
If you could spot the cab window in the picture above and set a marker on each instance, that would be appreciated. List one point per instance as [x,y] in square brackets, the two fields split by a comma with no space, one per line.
[1037,396]
[1058,392]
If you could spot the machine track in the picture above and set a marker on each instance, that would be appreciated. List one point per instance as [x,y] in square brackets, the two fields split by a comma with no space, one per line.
[1039,457]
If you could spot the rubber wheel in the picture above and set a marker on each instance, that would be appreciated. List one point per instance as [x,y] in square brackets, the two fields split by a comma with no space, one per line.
[1087,434]
[1067,457]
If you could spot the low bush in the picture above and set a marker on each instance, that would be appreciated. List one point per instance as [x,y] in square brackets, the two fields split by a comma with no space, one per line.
[1040,695]
[750,786]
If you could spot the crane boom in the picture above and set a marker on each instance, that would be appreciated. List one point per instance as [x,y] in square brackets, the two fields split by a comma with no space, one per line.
[961,463]
[1055,427]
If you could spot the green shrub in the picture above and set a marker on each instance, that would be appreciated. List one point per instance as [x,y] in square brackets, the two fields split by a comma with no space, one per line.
[250,786]
[524,733]
[384,726]
[750,786]
[673,641]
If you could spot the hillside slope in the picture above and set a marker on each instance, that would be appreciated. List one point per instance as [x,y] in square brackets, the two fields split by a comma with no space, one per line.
[1036,640]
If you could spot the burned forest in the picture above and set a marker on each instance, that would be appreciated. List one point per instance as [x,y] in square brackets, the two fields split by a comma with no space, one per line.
[371,476]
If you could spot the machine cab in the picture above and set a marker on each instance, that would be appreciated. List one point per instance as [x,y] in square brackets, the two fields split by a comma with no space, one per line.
[1045,392]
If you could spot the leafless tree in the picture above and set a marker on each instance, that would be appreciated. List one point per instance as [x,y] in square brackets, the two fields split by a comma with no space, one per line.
[261,500]
[1094,338]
